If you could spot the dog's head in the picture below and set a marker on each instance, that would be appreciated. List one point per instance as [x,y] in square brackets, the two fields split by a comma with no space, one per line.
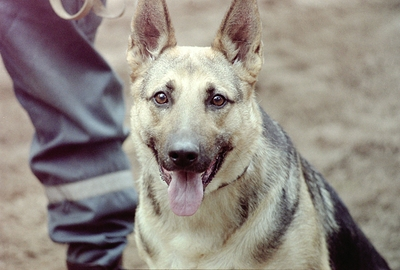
[194,108]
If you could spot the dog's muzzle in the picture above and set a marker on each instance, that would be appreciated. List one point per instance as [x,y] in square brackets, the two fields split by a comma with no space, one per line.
[187,169]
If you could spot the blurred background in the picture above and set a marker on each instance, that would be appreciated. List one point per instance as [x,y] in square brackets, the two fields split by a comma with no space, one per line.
[331,78]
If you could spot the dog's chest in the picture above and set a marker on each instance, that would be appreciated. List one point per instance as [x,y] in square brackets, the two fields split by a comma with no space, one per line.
[202,243]
[196,252]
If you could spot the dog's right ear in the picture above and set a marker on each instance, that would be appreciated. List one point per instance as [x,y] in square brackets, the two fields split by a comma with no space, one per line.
[152,32]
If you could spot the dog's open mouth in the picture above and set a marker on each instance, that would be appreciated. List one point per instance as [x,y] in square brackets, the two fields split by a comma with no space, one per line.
[186,188]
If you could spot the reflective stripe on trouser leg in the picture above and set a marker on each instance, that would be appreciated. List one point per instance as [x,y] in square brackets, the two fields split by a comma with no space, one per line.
[88,188]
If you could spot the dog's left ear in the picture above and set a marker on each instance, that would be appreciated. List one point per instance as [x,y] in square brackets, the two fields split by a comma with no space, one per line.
[152,31]
[239,36]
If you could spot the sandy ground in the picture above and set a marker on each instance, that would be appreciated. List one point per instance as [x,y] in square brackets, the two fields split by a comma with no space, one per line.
[331,78]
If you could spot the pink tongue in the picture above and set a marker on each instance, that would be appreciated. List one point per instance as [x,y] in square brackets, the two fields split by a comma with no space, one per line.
[185,193]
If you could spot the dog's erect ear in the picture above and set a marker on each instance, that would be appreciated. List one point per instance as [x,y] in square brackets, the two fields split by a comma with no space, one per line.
[239,36]
[152,31]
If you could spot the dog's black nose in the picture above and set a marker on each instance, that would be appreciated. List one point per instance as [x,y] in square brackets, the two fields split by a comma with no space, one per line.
[183,153]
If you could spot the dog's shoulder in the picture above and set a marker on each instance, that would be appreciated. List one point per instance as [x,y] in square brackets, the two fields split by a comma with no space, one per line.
[348,246]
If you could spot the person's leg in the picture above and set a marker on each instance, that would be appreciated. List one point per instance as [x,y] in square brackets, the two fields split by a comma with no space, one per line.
[75,103]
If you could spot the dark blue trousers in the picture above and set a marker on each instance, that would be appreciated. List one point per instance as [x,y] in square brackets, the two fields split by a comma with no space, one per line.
[75,102]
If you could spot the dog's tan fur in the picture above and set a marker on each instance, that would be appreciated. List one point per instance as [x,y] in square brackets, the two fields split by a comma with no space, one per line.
[257,211]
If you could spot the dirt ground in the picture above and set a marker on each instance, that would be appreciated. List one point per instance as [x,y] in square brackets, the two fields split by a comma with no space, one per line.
[331,78]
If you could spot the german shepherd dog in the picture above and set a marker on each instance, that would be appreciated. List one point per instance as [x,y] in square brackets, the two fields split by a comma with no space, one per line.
[222,186]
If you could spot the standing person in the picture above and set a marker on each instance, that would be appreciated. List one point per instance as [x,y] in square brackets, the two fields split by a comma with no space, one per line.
[75,102]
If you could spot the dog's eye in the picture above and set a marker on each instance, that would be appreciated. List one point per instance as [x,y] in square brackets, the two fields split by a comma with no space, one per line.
[218,100]
[160,98]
